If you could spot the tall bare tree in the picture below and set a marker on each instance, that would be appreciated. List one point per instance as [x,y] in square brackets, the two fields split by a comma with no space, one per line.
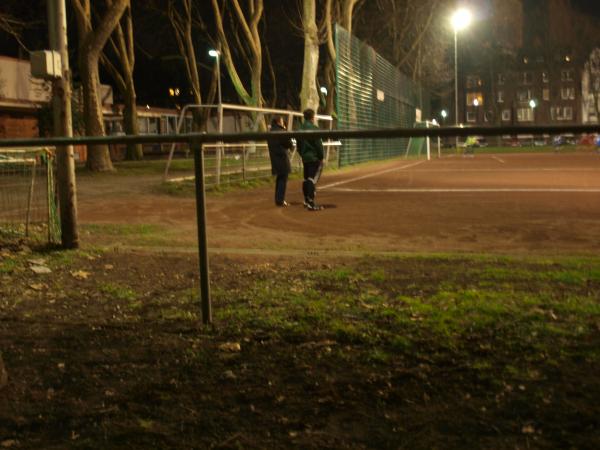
[92,40]
[12,26]
[186,21]
[309,95]
[122,45]
[245,40]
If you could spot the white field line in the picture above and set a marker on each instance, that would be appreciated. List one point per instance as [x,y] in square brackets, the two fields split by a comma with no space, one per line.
[506,170]
[471,190]
[499,159]
[352,180]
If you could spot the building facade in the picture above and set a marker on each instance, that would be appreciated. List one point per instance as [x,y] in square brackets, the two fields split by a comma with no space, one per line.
[540,75]
[21,98]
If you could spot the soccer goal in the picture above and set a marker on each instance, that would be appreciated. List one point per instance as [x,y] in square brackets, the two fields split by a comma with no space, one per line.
[418,146]
[28,205]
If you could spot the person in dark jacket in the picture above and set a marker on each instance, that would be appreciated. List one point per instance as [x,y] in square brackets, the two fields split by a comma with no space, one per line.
[311,151]
[280,161]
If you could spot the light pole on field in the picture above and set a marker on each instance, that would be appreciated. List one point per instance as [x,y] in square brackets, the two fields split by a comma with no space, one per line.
[460,20]
[217,55]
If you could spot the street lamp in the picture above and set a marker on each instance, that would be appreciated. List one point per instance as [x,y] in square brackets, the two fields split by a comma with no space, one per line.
[217,55]
[460,20]
[444,114]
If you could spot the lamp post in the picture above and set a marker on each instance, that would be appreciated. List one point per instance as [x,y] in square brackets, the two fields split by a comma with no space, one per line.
[460,20]
[533,105]
[217,55]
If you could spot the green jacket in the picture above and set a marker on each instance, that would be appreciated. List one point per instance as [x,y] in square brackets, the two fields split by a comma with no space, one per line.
[311,150]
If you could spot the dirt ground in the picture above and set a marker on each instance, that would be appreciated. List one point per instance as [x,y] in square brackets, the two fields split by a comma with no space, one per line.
[508,203]
[107,352]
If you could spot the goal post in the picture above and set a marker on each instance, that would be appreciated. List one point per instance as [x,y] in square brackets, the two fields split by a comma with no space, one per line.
[28,205]
[418,146]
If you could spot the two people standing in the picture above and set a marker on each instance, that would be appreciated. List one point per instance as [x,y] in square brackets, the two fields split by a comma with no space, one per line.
[311,152]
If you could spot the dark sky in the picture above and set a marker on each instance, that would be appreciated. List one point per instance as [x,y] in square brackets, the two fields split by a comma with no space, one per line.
[588,6]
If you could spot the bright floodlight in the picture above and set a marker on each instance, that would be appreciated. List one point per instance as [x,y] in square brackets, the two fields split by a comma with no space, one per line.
[461,19]
[214,53]
[444,113]
[532,103]
[476,102]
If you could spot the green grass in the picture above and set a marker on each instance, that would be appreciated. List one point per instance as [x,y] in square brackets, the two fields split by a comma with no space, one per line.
[117,291]
[526,306]
[8,265]
[140,230]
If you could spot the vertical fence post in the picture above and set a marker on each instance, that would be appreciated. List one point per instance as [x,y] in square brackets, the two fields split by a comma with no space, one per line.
[243,163]
[201,223]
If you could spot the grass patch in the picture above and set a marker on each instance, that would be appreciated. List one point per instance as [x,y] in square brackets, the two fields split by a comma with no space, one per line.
[8,265]
[117,291]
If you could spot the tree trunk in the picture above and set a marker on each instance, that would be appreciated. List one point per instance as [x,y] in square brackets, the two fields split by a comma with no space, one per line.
[309,95]
[91,43]
[130,123]
[98,157]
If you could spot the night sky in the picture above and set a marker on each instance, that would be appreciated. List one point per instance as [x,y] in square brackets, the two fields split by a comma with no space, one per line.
[588,6]
[159,66]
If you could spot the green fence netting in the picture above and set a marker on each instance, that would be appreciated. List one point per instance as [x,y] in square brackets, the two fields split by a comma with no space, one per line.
[372,93]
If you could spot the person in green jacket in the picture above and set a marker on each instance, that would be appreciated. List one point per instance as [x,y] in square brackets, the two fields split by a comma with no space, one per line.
[311,152]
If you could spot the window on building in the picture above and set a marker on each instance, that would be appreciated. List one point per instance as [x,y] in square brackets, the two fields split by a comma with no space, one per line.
[501,79]
[566,75]
[153,125]
[474,99]
[567,93]
[526,78]
[473,82]
[143,125]
[545,77]
[471,116]
[525,114]
[189,125]
[506,115]
[500,96]
[546,94]
[568,113]
[561,113]
[524,95]
[488,116]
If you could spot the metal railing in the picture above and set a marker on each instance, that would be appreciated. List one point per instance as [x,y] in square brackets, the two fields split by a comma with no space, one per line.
[198,141]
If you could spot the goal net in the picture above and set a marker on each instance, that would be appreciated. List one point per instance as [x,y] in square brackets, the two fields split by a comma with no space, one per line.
[419,147]
[28,205]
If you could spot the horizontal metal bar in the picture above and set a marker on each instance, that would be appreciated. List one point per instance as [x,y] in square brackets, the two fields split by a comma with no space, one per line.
[390,133]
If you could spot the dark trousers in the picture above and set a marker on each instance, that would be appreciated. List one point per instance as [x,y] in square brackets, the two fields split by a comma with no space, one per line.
[280,186]
[312,173]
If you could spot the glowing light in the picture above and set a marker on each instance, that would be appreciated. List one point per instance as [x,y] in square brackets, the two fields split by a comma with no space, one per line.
[461,19]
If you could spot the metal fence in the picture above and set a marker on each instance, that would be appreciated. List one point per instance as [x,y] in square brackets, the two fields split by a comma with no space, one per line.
[246,161]
[372,93]
[27,195]
[197,142]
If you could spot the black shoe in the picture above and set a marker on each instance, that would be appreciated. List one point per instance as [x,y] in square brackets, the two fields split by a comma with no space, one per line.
[284,204]
[312,206]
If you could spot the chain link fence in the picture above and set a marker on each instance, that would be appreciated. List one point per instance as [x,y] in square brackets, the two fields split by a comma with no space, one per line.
[372,93]
[28,203]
